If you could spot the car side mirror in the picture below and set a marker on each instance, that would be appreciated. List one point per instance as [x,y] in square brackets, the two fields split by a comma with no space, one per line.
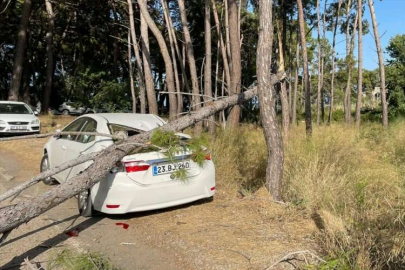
[36,113]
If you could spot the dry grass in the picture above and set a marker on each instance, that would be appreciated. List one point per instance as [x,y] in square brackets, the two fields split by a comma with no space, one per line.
[353,182]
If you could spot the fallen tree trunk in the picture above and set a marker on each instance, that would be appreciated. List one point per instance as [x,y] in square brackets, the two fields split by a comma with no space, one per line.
[14,215]
[44,135]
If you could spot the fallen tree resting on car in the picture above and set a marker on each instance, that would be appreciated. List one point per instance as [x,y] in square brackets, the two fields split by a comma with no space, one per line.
[12,216]
[57,133]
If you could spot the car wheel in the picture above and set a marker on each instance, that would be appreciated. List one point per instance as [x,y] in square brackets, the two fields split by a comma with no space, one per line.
[65,112]
[85,204]
[45,167]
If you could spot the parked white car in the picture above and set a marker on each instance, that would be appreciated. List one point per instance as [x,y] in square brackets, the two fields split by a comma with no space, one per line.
[140,182]
[17,118]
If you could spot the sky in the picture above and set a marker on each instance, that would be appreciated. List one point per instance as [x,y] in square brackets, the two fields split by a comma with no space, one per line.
[391,19]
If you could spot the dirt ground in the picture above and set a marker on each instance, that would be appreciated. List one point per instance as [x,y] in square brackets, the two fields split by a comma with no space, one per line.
[227,233]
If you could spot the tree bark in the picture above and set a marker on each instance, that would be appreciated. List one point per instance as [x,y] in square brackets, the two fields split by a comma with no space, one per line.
[236,68]
[222,44]
[384,105]
[347,100]
[49,55]
[195,99]
[13,216]
[332,84]
[208,65]
[274,170]
[139,70]
[297,63]
[173,39]
[147,67]
[320,79]
[307,86]
[285,107]
[131,74]
[20,52]
[323,64]
[173,52]
[166,57]
[360,63]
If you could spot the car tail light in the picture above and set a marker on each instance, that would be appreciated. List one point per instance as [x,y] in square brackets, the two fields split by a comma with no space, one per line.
[213,188]
[136,166]
[208,156]
[112,205]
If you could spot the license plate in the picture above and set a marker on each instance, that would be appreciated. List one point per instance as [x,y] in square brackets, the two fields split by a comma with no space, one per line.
[18,128]
[170,168]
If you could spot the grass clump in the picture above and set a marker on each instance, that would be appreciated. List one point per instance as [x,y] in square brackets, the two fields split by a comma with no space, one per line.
[69,260]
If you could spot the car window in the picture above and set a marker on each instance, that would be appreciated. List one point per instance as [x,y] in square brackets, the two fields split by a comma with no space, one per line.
[9,108]
[90,126]
[73,127]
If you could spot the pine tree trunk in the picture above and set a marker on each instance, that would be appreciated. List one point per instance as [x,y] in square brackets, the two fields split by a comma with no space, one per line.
[318,99]
[49,55]
[139,70]
[166,57]
[147,67]
[131,74]
[347,100]
[19,54]
[173,53]
[360,63]
[285,108]
[384,104]
[179,54]
[222,44]
[307,86]
[208,64]
[274,170]
[294,102]
[196,100]
[236,69]
[332,84]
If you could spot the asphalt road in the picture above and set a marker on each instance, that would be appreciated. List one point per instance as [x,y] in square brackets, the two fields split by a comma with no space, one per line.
[45,236]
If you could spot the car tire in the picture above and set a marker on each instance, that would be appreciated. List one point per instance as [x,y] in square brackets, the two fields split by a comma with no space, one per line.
[44,167]
[85,204]
[65,112]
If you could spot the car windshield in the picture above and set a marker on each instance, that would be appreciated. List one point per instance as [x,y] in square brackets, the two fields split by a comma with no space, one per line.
[9,108]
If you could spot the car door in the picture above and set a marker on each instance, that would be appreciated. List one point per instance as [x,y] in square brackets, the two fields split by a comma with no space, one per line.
[60,145]
[83,144]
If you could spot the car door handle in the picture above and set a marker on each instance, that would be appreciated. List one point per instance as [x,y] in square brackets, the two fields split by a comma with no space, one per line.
[82,152]
[63,147]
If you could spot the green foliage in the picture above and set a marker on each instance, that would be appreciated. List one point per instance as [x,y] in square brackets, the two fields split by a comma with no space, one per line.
[172,144]
[70,260]
[395,76]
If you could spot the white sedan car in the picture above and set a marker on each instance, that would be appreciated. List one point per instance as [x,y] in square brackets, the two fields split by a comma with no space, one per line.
[18,118]
[140,182]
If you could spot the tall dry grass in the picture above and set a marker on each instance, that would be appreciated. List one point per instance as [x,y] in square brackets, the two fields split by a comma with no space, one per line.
[352,181]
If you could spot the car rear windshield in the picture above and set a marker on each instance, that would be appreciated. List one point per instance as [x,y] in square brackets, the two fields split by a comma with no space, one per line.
[14,109]
[114,128]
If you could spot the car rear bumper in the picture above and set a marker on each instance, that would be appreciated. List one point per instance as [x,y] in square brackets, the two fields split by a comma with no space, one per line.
[118,194]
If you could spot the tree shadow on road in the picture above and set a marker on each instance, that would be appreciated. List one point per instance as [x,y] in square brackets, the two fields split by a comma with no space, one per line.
[16,262]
